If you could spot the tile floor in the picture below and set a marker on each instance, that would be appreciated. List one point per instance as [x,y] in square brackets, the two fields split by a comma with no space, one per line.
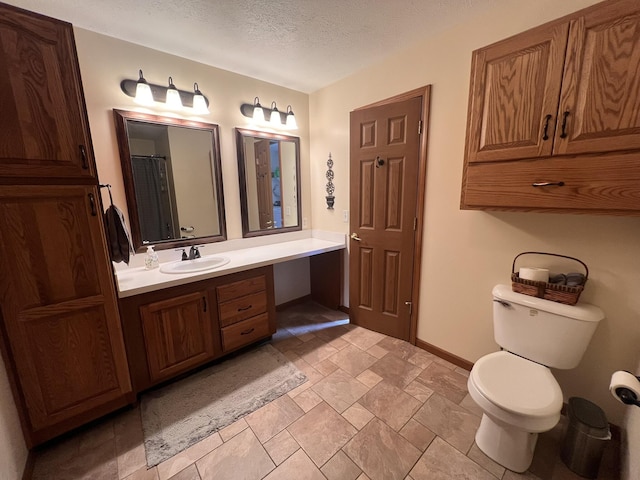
[374,408]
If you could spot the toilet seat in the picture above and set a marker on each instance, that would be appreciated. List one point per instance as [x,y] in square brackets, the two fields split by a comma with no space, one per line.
[516,391]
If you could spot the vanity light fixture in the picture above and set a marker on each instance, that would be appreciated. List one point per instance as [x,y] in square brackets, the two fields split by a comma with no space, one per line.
[199,102]
[277,119]
[143,91]
[150,94]
[173,96]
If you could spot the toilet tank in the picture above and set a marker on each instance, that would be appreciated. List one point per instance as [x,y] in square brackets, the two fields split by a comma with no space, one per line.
[550,333]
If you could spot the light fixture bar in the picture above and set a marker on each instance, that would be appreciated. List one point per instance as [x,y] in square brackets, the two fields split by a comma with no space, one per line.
[159,92]
[247,110]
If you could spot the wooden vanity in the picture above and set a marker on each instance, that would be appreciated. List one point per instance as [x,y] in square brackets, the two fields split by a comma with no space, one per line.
[173,324]
[171,331]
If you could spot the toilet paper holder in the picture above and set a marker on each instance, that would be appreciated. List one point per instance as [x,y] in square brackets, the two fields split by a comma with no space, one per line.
[626,395]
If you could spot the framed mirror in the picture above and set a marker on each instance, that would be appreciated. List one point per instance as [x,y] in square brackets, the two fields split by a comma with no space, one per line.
[172,180]
[269,173]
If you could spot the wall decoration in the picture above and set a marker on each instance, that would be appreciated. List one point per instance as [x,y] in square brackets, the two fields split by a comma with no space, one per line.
[330,186]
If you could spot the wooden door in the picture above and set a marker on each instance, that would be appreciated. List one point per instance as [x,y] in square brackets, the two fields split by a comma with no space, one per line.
[263,181]
[515,87]
[45,132]
[58,305]
[600,101]
[385,143]
[178,334]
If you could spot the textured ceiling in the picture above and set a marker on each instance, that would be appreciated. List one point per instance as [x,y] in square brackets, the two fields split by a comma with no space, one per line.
[301,44]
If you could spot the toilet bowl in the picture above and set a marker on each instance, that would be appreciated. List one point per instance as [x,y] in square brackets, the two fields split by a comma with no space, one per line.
[519,399]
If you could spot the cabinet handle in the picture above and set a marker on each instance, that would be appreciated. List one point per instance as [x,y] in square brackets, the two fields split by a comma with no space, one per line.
[563,134]
[92,202]
[204,300]
[548,184]
[244,309]
[247,332]
[83,156]
[545,129]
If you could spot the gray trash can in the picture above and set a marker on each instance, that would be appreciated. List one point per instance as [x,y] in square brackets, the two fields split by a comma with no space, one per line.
[586,437]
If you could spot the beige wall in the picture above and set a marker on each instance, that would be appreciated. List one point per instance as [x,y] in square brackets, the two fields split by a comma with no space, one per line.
[465,253]
[105,61]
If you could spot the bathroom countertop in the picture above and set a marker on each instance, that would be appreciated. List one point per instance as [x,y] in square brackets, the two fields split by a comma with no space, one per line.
[134,281]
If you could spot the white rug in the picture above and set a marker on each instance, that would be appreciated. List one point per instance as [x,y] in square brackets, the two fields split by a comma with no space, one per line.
[183,413]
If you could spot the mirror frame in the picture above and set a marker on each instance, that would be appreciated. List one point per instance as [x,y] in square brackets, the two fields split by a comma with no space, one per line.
[241,133]
[121,118]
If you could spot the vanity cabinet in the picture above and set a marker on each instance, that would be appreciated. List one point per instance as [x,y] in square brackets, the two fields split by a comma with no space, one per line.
[172,331]
[44,123]
[60,333]
[554,116]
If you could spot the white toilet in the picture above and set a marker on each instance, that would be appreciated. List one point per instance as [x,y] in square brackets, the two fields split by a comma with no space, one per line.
[514,387]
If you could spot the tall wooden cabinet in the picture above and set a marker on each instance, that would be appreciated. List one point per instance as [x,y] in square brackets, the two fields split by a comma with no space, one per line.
[59,324]
[554,116]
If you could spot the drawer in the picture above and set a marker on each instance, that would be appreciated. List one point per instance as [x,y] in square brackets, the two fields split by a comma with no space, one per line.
[245,332]
[241,288]
[608,183]
[242,308]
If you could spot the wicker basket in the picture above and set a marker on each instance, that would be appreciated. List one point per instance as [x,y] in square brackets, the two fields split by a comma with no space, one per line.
[549,291]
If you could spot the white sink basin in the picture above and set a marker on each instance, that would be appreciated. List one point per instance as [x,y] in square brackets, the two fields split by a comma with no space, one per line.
[208,262]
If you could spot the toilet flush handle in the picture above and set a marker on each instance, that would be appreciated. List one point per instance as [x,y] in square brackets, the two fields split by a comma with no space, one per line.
[502,302]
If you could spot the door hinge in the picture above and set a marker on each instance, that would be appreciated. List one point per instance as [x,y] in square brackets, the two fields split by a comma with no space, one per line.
[410,305]
[419,127]
[415,223]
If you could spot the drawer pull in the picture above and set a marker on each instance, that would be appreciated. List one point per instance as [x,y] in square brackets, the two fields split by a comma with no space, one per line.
[545,129]
[548,184]
[564,124]
[247,332]
[244,309]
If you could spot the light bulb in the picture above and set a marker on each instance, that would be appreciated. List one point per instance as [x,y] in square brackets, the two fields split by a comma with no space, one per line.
[291,119]
[144,96]
[258,113]
[173,96]
[199,102]
[275,116]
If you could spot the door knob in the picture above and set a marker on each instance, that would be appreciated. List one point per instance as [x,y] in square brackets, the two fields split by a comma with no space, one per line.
[354,236]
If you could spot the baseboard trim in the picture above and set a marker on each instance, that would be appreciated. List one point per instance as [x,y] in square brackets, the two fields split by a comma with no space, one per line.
[450,357]
[291,303]
[344,309]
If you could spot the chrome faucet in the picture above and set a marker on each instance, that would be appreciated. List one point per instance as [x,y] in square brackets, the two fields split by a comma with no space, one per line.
[194,252]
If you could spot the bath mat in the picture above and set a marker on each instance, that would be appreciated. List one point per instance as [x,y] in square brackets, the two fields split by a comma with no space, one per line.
[183,413]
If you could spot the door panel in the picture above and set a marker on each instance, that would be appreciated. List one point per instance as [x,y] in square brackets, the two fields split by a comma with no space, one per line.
[384,180]
[43,123]
[58,302]
[263,179]
[514,96]
[177,333]
[601,86]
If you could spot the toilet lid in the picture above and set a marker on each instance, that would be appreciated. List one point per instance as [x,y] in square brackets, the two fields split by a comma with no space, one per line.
[517,385]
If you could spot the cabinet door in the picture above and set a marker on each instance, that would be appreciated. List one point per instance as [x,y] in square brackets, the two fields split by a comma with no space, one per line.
[58,305]
[515,87]
[43,122]
[177,334]
[600,101]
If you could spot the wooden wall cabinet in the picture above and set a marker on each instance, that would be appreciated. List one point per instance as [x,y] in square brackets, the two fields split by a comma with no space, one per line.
[44,125]
[60,331]
[172,331]
[554,116]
